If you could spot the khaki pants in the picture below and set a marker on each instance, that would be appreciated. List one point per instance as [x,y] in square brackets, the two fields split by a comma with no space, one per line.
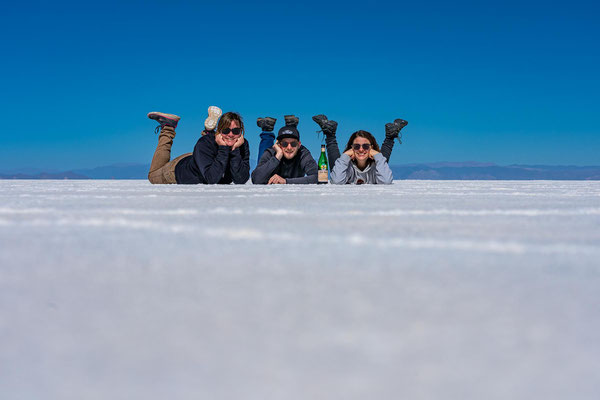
[162,170]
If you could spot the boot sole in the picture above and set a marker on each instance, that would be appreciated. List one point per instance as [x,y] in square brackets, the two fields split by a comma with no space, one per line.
[172,117]
[291,120]
[400,122]
[269,124]
[319,121]
[214,113]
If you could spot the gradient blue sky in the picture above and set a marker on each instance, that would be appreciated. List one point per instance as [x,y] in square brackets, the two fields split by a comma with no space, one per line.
[504,82]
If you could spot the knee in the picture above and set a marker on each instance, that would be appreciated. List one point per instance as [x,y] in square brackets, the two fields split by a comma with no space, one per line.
[153,178]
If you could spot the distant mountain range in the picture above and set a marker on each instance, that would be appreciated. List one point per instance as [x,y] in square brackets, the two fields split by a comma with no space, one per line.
[488,171]
[116,171]
[440,170]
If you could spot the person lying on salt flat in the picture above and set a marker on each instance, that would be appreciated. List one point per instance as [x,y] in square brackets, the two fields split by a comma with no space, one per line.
[286,161]
[329,128]
[220,156]
[364,162]
[361,162]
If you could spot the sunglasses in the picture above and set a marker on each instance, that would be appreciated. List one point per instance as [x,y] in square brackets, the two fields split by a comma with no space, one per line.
[293,143]
[365,146]
[235,131]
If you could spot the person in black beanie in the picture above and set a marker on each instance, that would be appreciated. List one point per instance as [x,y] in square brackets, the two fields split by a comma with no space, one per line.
[287,161]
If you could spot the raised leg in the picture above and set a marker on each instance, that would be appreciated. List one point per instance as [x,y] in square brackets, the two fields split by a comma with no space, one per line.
[267,137]
[386,147]
[162,154]
[329,128]
[333,150]
[392,131]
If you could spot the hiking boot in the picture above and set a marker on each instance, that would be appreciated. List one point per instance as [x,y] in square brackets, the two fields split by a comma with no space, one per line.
[164,119]
[392,129]
[266,124]
[402,123]
[210,123]
[291,120]
[327,127]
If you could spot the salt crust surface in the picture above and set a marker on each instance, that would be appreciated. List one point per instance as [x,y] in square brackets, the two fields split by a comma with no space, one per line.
[418,290]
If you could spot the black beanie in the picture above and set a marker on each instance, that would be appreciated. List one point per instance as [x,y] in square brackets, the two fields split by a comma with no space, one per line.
[288,132]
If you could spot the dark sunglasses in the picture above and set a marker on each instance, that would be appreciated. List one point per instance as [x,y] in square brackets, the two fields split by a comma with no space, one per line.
[294,144]
[235,131]
[365,146]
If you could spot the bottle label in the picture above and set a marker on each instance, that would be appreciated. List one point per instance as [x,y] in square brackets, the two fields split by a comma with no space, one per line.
[322,175]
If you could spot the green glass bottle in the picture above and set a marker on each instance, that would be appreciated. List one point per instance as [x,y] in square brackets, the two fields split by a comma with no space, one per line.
[323,176]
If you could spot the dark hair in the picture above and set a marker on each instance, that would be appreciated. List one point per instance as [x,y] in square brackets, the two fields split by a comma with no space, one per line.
[226,120]
[363,134]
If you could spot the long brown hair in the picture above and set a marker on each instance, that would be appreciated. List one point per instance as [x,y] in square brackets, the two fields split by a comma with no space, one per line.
[226,120]
[363,134]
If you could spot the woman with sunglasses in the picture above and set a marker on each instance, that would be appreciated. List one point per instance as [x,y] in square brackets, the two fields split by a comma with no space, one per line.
[361,162]
[329,127]
[219,157]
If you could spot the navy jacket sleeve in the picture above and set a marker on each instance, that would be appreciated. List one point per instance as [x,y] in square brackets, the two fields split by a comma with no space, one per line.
[240,163]
[211,162]
[309,166]
[265,168]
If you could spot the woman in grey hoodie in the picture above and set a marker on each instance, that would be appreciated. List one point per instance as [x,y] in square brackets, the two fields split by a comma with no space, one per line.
[361,162]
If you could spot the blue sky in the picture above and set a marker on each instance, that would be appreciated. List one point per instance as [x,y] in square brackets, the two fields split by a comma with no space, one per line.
[506,82]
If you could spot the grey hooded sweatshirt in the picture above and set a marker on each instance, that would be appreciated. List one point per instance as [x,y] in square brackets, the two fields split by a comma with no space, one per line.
[346,171]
